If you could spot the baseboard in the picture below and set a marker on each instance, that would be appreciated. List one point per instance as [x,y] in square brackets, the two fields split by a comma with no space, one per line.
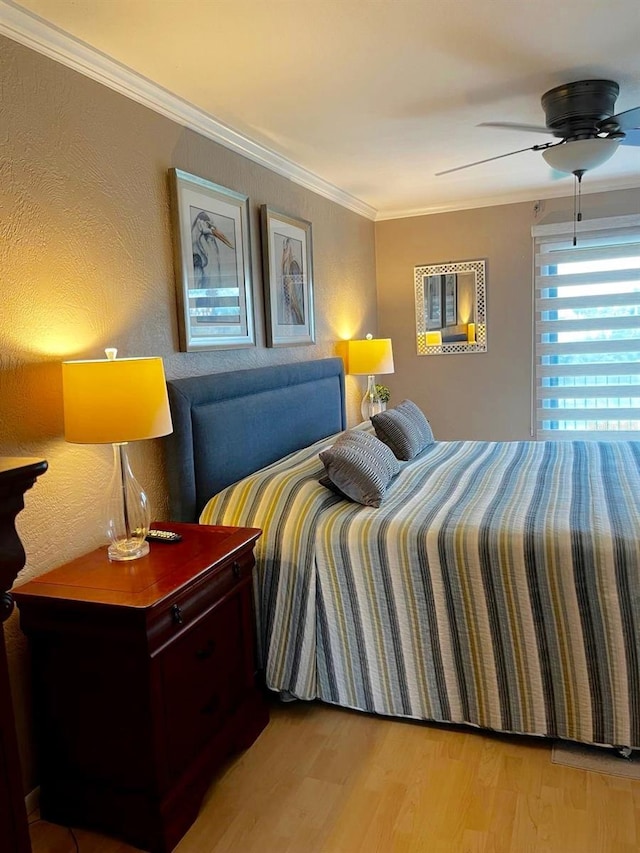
[32,800]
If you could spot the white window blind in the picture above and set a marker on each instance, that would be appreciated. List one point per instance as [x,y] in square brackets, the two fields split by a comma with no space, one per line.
[587,330]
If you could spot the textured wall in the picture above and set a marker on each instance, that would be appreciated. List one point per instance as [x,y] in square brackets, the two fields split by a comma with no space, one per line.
[86,262]
[486,396]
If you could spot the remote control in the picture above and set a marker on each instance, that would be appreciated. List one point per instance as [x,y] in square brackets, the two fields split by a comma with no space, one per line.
[163,536]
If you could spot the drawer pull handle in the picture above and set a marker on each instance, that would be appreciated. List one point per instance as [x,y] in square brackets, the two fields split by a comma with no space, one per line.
[176,615]
[6,606]
[236,569]
[207,651]
[211,707]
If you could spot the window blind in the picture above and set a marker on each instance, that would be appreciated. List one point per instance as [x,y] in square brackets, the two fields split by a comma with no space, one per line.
[587,330]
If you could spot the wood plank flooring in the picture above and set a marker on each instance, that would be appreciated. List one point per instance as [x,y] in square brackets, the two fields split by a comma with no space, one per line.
[326,780]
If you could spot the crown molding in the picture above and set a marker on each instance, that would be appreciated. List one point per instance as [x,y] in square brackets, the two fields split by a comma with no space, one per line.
[527,195]
[33,32]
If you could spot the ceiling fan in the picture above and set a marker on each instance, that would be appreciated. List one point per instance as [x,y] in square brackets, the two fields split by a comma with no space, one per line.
[581,116]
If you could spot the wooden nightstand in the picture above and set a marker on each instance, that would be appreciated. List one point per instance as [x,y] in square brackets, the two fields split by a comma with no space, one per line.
[16,477]
[144,681]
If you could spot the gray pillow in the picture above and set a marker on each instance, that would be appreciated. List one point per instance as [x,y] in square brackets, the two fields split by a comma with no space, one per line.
[360,466]
[326,482]
[404,429]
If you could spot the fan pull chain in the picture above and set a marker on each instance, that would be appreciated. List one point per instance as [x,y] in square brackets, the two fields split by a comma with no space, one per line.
[577,207]
[575,189]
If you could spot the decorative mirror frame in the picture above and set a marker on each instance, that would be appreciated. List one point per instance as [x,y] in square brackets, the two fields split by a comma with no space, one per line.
[421,276]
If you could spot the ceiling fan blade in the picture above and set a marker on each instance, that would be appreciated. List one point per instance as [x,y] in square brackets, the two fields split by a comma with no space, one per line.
[628,120]
[508,125]
[631,137]
[489,159]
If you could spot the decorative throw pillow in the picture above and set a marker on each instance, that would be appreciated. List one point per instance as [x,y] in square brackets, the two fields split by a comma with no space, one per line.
[325,481]
[404,429]
[360,466]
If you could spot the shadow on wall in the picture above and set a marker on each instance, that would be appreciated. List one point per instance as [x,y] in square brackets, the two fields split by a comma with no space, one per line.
[35,413]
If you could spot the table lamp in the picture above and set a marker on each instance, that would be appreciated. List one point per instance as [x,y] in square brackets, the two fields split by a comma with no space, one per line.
[115,401]
[366,358]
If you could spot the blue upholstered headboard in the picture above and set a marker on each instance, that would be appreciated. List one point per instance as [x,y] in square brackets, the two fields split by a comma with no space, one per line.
[228,425]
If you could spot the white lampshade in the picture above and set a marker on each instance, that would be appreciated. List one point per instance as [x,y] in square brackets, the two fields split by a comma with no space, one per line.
[370,356]
[116,400]
[580,155]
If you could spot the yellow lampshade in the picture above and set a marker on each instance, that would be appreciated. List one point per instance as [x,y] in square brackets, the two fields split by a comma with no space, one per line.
[115,400]
[370,356]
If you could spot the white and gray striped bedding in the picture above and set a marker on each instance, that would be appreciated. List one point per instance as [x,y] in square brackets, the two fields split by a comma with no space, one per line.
[497,585]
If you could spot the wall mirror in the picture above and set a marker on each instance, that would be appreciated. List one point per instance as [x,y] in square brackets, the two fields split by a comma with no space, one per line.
[451,308]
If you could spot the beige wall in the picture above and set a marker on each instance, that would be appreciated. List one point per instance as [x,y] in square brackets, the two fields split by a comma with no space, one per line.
[487,395]
[86,262]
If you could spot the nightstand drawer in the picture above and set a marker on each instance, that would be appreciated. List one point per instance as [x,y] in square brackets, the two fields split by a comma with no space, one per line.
[186,609]
[202,681]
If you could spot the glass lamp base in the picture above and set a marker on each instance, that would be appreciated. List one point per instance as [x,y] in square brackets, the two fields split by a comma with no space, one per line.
[128,516]
[370,408]
[128,549]
[371,402]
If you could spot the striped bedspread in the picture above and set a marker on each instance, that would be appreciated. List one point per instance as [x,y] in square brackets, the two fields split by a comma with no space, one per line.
[497,585]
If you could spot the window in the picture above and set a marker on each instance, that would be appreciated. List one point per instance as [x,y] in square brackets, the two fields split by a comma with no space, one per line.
[587,330]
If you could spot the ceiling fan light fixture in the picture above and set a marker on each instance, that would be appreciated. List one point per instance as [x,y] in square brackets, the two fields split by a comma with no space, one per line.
[580,155]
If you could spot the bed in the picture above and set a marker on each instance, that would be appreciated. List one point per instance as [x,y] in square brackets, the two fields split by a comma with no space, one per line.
[497,585]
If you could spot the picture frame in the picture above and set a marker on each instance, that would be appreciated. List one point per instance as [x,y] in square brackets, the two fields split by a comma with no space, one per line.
[461,327]
[212,263]
[287,258]
[433,302]
[450,299]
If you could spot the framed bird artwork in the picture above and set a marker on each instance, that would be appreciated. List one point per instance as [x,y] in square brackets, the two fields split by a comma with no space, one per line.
[213,265]
[287,260]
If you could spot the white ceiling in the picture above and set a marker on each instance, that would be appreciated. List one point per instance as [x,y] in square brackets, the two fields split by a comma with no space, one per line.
[374,96]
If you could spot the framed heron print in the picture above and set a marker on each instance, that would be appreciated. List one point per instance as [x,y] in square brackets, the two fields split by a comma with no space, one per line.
[288,279]
[213,266]
[449,299]
[433,301]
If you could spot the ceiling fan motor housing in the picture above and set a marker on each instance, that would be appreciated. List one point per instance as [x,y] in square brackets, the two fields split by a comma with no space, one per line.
[576,110]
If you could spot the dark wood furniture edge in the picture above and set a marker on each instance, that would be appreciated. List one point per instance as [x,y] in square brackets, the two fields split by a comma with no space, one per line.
[17,475]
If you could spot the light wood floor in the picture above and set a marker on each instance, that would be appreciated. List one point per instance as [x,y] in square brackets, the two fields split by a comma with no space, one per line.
[325,779]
